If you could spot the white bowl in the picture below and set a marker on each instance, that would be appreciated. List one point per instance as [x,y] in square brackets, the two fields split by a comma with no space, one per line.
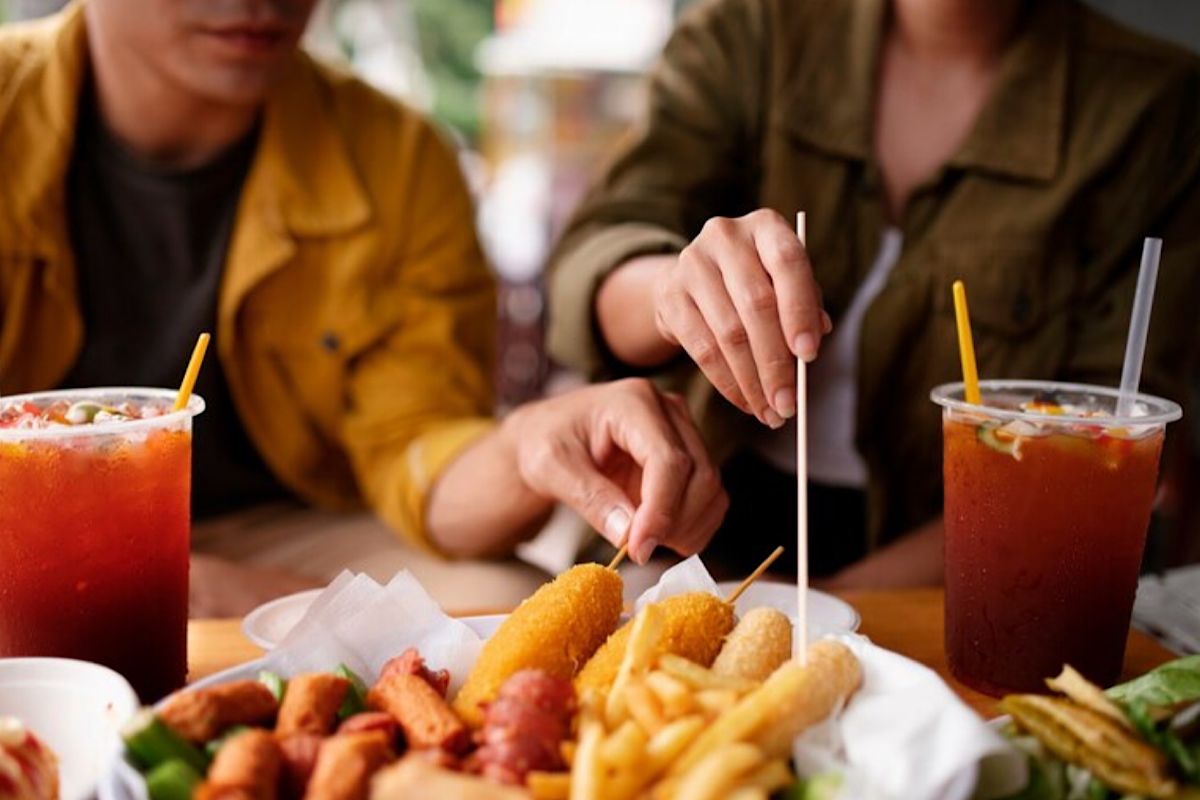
[75,707]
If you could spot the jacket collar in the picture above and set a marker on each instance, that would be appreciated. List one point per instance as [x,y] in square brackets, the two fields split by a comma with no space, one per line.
[829,99]
[302,181]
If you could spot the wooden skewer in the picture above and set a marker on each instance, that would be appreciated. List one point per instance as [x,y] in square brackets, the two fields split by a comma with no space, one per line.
[800,641]
[753,576]
[619,557]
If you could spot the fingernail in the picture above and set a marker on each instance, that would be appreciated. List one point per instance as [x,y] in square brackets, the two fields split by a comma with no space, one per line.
[826,322]
[806,346]
[773,420]
[645,551]
[785,402]
[616,525]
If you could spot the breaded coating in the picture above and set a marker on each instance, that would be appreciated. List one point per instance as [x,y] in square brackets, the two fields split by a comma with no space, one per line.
[420,711]
[202,714]
[694,625]
[247,766]
[761,642]
[311,703]
[556,630]
[346,764]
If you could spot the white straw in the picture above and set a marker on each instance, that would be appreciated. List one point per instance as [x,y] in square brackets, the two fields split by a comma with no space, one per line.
[800,648]
[1139,325]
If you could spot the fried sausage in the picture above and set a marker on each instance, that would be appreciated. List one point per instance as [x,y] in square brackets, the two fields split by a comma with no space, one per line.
[202,714]
[345,766]
[421,712]
[759,644]
[311,703]
[247,767]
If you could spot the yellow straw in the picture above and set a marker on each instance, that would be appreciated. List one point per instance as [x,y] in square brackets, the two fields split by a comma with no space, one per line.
[966,346]
[193,369]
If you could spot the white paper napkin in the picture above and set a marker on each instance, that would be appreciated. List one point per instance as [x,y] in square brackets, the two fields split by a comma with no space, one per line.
[361,624]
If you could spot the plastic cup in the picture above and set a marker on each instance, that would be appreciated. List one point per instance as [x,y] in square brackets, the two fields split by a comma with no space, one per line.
[95,528]
[1047,501]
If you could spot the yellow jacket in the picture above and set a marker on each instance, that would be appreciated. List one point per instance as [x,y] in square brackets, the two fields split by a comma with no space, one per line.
[356,315]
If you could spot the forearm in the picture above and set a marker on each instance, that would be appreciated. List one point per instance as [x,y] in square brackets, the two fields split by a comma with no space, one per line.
[625,313]
[480,507]
[915,559]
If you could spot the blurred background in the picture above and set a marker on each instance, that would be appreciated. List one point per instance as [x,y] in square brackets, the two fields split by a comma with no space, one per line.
[536,93]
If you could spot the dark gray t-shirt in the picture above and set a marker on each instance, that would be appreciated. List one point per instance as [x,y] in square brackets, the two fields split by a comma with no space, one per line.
[150,247]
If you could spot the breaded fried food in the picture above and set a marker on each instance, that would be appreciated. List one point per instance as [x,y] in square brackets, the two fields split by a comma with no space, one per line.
[311,703]
[556,630]
[694,626]
[247,767]
[754,649]
[199,715]
[345,765]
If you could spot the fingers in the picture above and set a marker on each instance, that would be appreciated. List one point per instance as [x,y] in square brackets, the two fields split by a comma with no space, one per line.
[804,322]
[564,469]
[705,501]
[693,334]
[709,291]
[638,423]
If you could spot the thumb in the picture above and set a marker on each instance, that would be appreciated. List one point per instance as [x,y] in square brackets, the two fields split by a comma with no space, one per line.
[600,502]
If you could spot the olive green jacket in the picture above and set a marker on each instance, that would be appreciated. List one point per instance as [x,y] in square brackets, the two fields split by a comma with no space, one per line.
[1089,142]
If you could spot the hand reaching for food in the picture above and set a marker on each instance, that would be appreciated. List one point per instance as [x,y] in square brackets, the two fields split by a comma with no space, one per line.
[628,459]
[740,300]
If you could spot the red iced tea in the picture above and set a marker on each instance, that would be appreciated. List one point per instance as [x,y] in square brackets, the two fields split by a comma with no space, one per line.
[94,536]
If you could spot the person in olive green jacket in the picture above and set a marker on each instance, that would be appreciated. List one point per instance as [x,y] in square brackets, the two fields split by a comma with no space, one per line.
[173,166]
[1025,147]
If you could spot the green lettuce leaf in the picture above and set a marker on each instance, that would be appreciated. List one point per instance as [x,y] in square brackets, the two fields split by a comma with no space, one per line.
[1174,682]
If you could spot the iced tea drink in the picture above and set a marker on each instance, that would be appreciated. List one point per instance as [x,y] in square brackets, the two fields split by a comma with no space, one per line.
[95,490]
[1047,502]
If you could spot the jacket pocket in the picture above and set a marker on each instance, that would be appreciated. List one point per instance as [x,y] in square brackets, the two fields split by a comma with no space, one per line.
[1013,286]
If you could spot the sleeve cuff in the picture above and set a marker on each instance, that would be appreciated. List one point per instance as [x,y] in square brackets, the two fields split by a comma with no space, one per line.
[419,468]
[573,337]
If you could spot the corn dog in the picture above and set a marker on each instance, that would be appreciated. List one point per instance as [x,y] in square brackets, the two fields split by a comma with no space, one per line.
[694,625]
[754,649]
[556,630]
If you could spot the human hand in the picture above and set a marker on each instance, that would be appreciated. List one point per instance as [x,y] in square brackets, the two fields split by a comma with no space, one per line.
[628,459]
[742,301]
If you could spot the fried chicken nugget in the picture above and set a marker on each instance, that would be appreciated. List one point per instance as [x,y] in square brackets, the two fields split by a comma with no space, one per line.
[694,626]
[761,642]
[556,629]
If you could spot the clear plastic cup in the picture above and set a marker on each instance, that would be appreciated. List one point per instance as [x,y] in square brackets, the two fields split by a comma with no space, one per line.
[1048,497]
[95,527]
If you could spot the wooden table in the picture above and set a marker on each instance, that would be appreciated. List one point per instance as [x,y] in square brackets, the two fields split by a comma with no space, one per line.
[908,622]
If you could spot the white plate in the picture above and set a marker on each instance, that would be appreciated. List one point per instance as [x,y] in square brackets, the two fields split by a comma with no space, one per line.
[269,623]
[76,708]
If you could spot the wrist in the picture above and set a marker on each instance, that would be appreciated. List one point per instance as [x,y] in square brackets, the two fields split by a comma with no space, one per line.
[627,313]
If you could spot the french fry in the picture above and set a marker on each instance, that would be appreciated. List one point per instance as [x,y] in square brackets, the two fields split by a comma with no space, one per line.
[674,737]
[801,694]
[715,775]
[716,701]
[587,772]
[643,640]
[674,694]
[770,777]
[623,748]
[548,785]
[644,706]
[699,677]
[748,793]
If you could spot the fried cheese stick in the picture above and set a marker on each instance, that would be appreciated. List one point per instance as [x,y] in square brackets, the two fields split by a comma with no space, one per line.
[755,648]
[556,630]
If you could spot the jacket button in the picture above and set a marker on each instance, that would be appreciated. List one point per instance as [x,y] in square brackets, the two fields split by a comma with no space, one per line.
[330,341]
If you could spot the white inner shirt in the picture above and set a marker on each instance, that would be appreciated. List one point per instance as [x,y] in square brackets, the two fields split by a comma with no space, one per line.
[833,390]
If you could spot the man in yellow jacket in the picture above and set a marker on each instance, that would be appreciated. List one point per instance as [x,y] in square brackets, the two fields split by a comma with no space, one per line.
[179,165]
